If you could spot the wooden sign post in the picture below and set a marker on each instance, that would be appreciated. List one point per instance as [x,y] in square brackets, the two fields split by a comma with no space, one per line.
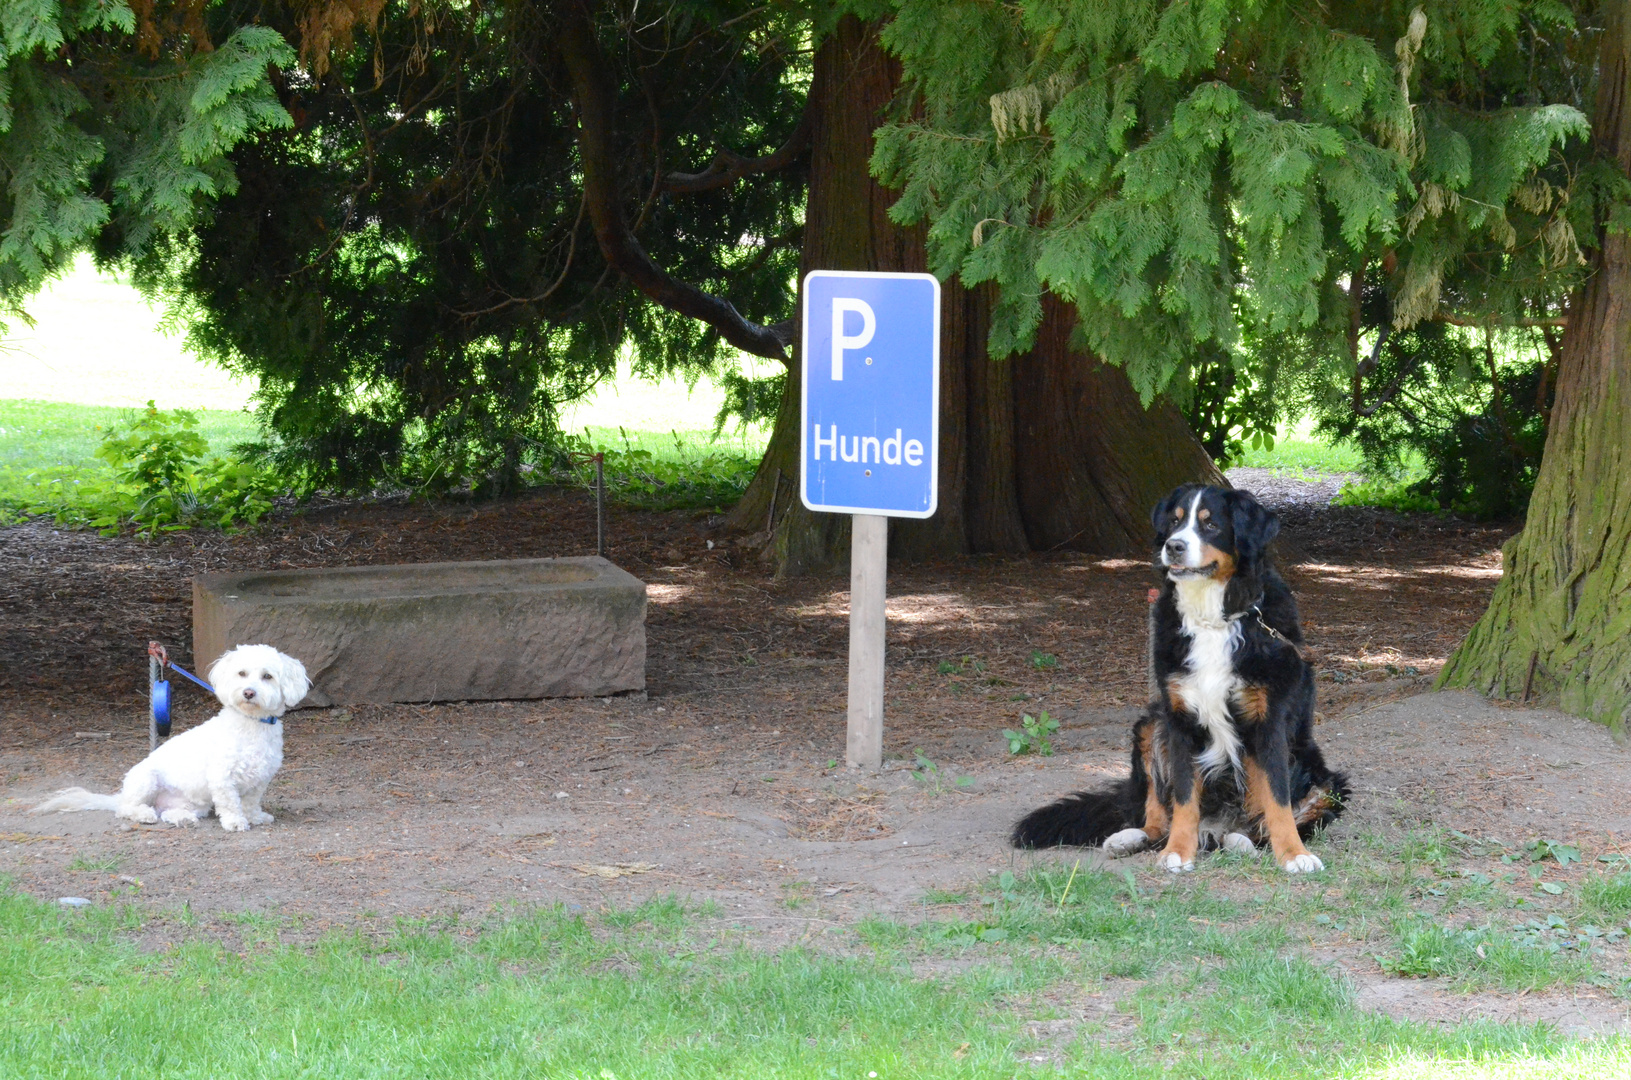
[871,440]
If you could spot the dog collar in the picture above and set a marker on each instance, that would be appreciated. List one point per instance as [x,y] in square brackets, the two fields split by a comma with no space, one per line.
[1257,611]
[269,720]
[1253,608]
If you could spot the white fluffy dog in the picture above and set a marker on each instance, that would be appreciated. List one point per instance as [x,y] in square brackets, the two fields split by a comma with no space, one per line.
[223,764]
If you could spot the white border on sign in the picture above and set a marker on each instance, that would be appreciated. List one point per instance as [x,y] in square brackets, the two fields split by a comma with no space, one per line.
[804,397]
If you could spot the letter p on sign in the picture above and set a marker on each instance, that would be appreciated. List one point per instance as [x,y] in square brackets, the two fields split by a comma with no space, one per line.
[841,305]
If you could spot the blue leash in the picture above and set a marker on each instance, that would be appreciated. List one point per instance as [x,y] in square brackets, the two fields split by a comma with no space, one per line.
[181,670]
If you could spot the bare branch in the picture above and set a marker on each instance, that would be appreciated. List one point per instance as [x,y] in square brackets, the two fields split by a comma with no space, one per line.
[595,97]
[727,168]
[1496,323]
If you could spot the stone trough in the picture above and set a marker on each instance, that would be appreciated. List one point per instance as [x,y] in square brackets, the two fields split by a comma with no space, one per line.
[518,628]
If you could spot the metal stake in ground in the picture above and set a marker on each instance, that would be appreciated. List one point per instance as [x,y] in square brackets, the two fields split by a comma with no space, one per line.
[600,505]
[870,432]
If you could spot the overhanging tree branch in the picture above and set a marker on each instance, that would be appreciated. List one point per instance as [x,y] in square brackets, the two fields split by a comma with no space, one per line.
[727,168]
[594,95]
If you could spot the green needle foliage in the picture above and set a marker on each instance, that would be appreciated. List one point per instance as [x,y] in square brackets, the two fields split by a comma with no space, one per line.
[1234,180]
[116,122]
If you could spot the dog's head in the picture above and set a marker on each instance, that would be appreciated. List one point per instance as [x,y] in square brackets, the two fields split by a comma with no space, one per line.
[259,681]
[1217,533]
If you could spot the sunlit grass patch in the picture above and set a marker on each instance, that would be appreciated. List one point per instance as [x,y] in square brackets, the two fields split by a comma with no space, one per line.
[670,470]
[48,452]
[1565,1063]
[1482,956]
[1606,899]
[1300,454]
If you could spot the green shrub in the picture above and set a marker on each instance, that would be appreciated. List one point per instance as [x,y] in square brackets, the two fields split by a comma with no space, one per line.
[159,480]
[691,478]
[1472,410]
[1401,497]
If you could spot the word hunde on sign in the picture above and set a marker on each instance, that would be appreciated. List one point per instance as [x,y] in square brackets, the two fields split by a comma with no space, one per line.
[871,393]
[887,452]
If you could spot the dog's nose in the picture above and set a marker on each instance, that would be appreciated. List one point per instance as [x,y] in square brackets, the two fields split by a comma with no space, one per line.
[249,693]
[1176,548]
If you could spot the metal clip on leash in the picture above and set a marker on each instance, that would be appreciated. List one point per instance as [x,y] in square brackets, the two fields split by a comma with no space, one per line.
[158,693]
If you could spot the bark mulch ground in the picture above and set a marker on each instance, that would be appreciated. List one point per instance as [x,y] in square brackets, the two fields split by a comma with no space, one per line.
[720,784]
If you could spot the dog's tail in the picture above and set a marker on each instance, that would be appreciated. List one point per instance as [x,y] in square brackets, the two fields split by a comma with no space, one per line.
[76,798]
[1082,819]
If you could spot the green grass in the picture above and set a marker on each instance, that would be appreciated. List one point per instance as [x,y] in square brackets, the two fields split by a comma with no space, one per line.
[1301,454]
[97,864]
[56,435]
[665,470]
[669,990]
[48,452]
[47,455]
[1607,899]
[1483,957]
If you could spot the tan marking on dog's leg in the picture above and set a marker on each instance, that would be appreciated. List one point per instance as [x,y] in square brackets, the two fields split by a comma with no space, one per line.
[1184,839]
[1175,697]
[1288,847]
[1155,813]
[1314,805]
[1253,702]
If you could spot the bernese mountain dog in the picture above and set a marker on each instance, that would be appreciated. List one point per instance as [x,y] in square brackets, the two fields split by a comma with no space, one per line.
[1225,756]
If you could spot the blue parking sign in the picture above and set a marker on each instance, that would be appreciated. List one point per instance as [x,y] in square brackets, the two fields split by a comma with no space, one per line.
[871,416]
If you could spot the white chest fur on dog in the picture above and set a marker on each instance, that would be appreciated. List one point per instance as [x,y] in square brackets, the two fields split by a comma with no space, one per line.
[223,765]
[1211,682]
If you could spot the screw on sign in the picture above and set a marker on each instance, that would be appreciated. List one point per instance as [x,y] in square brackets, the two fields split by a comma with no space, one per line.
[871,441]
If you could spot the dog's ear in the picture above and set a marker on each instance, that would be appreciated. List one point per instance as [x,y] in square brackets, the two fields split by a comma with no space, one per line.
[292,680]
[218,670]
[1253,526]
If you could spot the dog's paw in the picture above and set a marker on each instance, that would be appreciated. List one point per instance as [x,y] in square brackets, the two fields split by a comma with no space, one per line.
[179,816]
[1239,843]
[1126,842]
[144,814]
[235,823]
[261,817]
[1176,863]
[1306,863]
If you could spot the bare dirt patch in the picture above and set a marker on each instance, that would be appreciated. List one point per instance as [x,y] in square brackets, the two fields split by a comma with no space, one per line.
[720,784]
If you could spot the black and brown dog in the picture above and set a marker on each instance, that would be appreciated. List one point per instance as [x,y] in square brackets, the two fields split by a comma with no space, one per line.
[1226,755]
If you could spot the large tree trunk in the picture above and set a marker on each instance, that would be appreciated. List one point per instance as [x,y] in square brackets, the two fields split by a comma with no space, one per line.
[1091,461]
[1559,624]
[1042,451]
